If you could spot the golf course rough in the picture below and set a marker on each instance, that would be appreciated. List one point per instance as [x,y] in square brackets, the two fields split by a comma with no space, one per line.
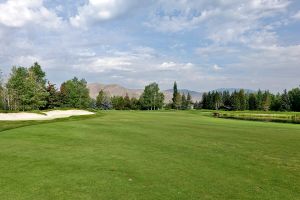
[149,155]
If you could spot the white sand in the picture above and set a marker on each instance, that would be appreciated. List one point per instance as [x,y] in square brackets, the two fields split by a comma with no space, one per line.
[23,116]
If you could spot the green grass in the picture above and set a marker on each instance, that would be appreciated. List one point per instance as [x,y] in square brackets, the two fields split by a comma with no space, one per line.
[284,117]
[150,155]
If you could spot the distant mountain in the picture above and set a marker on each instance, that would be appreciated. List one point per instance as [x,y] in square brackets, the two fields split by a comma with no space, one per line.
[117,90]
[196,96]
[113,90]
[231,90]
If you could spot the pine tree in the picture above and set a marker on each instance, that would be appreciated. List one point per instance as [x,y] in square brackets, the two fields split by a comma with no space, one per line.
[242,98]
[252,102]
[226,99]
[235,101]
[294,96]
[189,101]
[285,103]
[259,98]
[175,95]
[127,102]
[204,102]
[183,102]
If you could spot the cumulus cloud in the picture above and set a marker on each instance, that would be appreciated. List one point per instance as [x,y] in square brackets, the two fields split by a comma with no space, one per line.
[214,43]
[221,21]
[102,10]
[18,13]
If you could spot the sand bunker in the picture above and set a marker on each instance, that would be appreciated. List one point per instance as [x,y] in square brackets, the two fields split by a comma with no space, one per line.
[55,114]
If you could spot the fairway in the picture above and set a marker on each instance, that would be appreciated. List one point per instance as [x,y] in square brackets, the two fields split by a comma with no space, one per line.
[150,155]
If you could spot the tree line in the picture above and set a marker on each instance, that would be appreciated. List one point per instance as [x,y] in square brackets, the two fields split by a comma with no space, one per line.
[28,89]
[260,100]
[151,99]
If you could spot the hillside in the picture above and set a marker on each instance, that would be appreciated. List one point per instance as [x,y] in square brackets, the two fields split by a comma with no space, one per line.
[117,90]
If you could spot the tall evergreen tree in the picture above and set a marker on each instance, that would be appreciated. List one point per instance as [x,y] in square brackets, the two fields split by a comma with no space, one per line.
[127,102]
[175,97]
[252,102]
[294,96]
[242,98]
[226,99]
[204,103]
[189,101]
[184,103]
[259,98]
[285,104]
[235,101]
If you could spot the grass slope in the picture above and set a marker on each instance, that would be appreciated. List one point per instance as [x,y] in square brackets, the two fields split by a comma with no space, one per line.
[150,155]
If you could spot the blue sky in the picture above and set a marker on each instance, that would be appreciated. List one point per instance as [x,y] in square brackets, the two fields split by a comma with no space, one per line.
[201,44]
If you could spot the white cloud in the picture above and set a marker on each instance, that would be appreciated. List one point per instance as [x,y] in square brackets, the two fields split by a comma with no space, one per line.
[101,10]
[18,13]
[297,15]
[174,66]
[216,68]
[223,22]
[179,22]
[130,61]
[215,50]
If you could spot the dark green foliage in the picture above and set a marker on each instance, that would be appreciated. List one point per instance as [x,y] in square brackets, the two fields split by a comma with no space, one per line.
[125,103]
[53,98]
[189,101]
[175,92]
[285,103]
[118,103]
[275,102]
[235,101]
[262,100]
[135,104]
[177,99]
[183,102]
[294,97]
[75,94]
[103,101]
[253,104]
